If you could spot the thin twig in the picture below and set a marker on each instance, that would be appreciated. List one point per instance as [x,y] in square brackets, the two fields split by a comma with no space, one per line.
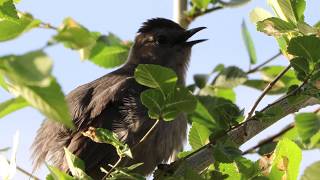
[200,13]
[266,90]
[113,168]
[264,63]
[147,134]
[269,139]
[26,172]
[48,26]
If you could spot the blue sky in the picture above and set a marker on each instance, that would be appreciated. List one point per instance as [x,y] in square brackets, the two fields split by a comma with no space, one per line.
[123,18]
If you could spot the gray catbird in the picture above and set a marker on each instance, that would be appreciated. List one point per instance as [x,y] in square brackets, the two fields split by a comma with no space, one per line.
[113,102]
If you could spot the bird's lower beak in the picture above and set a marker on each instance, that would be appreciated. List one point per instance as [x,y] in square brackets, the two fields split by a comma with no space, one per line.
[189,33]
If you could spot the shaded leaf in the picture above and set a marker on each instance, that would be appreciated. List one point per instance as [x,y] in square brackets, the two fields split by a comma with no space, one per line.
[249,43]
[201,80]
[307,47]
[230,77]
[301,67]
[226,154]
[12,105]
[76,165]
[154,100]
[308,125]
[8,11]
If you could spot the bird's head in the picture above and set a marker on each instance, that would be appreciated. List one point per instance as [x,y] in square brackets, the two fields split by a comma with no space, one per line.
[163,42]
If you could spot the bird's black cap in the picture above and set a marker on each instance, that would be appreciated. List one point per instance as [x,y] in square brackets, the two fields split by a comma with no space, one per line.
[153,23]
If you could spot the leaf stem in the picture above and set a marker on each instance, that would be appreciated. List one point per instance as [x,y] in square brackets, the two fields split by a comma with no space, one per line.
[113,168]
[47,26]
[266,90]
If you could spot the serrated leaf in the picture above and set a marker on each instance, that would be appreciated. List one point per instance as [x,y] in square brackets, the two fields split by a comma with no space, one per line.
[12,105]
[100,135]
[259,14]
[157,77]
[154,100]
[307,47]
[249,43]
[311,172]
[308,125]
[56,174]
[198,136]
[10,29]
[48,100]
[230,77]
[275,27]
[73,35]
[33,68]
[287,160]
[76,166]
[221,109]
[108,56]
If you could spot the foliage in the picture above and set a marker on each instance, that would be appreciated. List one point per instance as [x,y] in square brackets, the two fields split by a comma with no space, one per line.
[209,103]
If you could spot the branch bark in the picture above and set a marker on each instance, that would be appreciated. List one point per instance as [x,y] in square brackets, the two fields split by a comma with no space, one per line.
[179,8]
[202,158]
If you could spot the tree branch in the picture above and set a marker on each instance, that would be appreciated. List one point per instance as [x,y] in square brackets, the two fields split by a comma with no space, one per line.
[203,157]
[179,8]
[264,63]
[266,90]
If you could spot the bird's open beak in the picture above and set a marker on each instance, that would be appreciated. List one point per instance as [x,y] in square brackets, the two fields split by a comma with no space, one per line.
[185,36]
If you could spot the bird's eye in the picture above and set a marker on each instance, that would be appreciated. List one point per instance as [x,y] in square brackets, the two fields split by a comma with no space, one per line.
[161,39]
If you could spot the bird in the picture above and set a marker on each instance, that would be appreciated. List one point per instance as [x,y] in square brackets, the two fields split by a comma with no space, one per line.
[113,102]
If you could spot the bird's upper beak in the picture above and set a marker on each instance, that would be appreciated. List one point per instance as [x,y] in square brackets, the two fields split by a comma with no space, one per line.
[187,34]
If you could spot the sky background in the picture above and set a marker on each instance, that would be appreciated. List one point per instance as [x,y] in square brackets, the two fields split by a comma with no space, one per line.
[123,18]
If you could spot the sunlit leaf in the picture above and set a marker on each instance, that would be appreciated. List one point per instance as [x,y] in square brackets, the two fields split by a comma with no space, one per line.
[100,135]
[10,29]
[275,27]
[198,136]
[76,166]
[230,77]
[56,174]
[259,14]
[307,47]
[12,105]
[283,9]
[8,169]
[8,11]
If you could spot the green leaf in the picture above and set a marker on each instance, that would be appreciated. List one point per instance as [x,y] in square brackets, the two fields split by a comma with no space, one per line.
[299,7]
[48,100]
[12,105]
[258,84]
[259,14]
[307,47]
[230,77]
[76,165]
[74,36]
[301,67]
[247,168]
[154,100]
[202,116]
[108,56]
[269,73]
[56,174]
[10,29]
[198,136]
[8,11]
[231,170]
[275,27]
[221,109]
[181,100]
[201,80]
[312,172]
[284,10]
[226,93]
[225,153]
[287,160]
[201,4]
[249,43]
[306,29]
[156,76]
[100,135]
[308,125]
[33,68]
